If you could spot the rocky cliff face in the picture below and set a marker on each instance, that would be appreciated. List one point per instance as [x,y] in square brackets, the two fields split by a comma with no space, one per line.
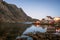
[1,0]
[11,13]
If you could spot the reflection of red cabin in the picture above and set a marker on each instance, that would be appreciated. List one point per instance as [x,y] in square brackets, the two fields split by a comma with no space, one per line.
[37,23]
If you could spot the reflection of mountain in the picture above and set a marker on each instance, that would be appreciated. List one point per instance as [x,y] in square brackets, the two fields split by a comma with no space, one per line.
[10,31]
[10,13]
[35,29]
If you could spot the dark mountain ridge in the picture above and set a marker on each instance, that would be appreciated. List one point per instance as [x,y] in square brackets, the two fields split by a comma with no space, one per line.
[11,13]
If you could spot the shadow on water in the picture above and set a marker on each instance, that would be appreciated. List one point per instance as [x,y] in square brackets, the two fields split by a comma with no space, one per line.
[9,31]
[34,29]
[18,31]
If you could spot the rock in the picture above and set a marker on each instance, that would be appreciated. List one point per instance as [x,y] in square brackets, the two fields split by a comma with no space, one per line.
[1,0]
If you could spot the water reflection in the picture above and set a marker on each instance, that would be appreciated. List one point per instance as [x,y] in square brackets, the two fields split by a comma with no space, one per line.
[35,28]
[41,29]
[9,31]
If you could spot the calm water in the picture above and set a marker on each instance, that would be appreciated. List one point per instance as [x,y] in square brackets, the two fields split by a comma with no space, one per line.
[41,29]
[34,29]
[19,30]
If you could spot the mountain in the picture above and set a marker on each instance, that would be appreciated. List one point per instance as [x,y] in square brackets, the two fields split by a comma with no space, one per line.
[11,13]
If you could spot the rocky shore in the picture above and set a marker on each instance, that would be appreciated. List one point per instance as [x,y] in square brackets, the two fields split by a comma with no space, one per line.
[44,36]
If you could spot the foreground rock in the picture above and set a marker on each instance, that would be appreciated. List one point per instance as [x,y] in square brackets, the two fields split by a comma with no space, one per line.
[43,36]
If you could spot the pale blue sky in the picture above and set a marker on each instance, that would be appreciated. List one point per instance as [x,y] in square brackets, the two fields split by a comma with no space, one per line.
[38,8]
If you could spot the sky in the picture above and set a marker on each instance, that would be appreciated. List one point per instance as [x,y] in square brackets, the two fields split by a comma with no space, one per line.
[38,8]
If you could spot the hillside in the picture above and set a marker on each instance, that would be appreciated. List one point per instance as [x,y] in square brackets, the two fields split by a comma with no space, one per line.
[11,13]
